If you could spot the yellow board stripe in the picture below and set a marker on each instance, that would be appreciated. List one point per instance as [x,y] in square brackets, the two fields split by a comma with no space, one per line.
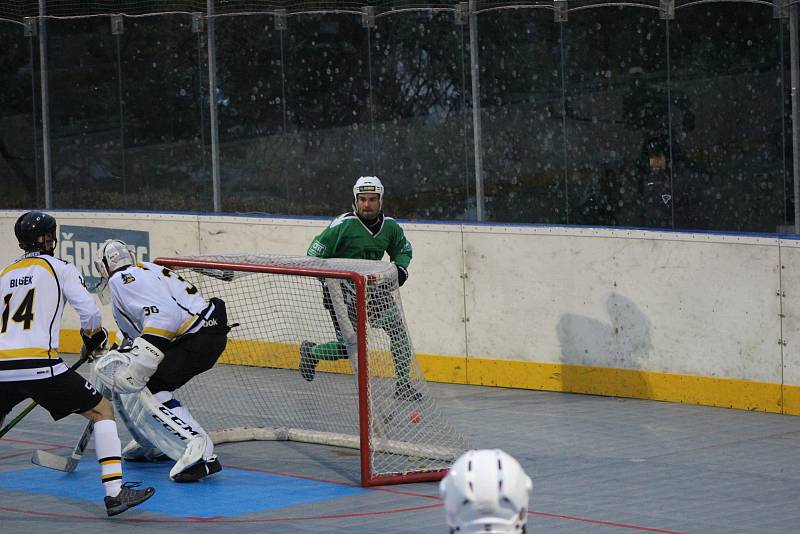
[652,385]
[672,387]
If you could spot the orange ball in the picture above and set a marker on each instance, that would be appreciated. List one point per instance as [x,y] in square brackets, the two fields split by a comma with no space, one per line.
[415,417]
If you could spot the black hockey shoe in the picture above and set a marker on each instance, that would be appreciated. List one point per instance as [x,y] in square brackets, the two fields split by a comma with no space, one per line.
[308,362]
[200,470]
[128,498]
[405,391]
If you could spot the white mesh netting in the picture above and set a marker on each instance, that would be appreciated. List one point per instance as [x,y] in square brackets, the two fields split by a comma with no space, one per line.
[262,388]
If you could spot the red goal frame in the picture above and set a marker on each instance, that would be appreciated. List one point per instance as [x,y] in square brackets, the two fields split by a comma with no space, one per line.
[368,477]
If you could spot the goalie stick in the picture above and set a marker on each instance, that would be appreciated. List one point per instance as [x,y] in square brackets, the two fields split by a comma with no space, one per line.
[61,463]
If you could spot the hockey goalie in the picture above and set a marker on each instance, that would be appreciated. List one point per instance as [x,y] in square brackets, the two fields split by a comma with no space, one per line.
[172,334]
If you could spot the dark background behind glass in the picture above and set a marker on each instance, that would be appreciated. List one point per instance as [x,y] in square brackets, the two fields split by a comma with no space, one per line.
[574,115]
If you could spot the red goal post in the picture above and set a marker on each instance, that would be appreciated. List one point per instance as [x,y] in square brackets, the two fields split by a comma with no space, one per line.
[347,316]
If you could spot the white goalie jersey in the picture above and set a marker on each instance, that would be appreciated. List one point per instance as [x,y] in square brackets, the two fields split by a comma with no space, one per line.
[34,290]
[150,299]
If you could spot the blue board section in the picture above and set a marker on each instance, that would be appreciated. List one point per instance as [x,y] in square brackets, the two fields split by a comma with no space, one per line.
[231,492]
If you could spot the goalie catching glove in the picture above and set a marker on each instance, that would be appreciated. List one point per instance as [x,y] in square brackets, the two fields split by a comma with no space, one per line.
[129,371]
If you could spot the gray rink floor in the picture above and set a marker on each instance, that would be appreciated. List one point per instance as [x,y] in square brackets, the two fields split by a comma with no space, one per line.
[598,464]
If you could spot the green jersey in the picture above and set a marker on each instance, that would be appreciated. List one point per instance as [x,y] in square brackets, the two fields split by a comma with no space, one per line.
[348,237]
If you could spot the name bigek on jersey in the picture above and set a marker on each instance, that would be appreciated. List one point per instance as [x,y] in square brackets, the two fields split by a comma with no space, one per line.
[19,282]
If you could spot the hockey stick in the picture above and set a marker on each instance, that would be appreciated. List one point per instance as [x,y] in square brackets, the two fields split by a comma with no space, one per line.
[84,358]
[62,463]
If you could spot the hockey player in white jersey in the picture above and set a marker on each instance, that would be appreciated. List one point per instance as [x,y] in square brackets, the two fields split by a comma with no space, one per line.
[175,335]
[34,290]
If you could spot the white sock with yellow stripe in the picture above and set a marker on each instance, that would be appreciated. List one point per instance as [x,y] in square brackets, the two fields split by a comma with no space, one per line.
[109,453]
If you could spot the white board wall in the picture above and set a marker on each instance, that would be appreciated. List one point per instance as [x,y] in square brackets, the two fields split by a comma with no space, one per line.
[699,304]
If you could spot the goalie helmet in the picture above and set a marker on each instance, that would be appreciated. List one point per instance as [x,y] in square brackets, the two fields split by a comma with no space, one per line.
[115,255]
[36,232]
[368,184]
[486,491]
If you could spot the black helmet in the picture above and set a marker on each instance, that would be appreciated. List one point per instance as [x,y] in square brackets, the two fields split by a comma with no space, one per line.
[36,232]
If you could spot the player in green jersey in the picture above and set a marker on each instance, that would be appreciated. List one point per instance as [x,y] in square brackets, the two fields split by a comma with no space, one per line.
[365,233]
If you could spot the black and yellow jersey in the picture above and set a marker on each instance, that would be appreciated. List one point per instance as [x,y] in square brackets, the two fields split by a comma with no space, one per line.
[34,290]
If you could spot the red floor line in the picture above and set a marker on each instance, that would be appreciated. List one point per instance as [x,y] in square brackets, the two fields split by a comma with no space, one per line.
[610,523]
[217,519]
[28,452]
[32,442]
[15,455]
[340,516]
[340,483]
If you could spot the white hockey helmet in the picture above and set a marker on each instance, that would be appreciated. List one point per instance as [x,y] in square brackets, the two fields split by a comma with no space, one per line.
[486,491]
[115,255]
[368,184]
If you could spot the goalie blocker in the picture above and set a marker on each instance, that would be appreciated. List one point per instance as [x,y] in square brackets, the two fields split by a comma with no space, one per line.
[128,371]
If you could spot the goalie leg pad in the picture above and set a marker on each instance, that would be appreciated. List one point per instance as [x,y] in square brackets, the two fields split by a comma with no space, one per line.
[138,437]
[166,398]
[153,424]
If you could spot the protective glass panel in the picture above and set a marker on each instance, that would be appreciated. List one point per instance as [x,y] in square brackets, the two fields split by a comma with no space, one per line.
[616,102]
[251,107]
[614,116]
[328,141]
[164,130]
[20,179]
[423,150]
[729,140]
[84,109]
[521,114]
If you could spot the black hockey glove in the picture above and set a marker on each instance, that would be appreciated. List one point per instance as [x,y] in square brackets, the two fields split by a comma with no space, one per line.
[402,275]
[96,341]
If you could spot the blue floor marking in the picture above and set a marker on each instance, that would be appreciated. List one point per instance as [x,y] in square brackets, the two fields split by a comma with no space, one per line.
[230,492]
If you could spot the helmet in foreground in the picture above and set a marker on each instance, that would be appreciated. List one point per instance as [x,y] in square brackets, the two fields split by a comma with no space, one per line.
[486,491]
[36,232]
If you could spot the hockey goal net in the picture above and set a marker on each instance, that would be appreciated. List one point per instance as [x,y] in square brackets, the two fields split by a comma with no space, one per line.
[321,354]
